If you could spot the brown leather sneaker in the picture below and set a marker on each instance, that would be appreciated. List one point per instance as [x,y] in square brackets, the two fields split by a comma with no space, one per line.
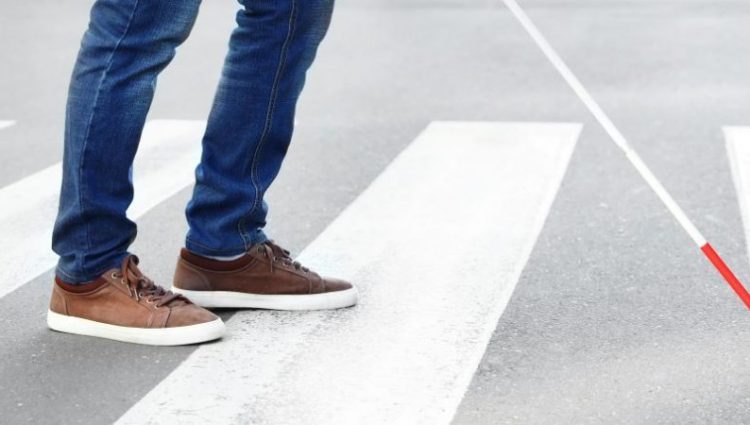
[265,277]
[125,305]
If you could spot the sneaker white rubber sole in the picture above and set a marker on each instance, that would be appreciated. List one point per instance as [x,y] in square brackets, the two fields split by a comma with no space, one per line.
[181,335]
[228,299]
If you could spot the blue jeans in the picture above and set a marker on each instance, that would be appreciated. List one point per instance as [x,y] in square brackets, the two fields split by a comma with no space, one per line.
[127,44]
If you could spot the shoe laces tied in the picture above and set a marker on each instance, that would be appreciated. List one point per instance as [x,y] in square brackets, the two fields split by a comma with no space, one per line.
[140,286]
[277,254]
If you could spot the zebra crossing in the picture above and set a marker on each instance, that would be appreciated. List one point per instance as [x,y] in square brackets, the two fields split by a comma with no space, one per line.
[462,207]
[469,196]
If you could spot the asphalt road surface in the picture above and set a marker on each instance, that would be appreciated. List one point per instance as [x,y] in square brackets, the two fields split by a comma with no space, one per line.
[549,286]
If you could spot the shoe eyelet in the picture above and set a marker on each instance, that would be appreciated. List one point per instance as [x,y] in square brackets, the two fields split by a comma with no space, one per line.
[113,275]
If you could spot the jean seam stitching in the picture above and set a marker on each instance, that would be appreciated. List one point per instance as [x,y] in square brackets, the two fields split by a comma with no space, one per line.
[268,123]
[89,124]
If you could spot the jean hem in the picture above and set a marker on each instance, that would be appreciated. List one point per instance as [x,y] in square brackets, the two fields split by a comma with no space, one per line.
[77,279]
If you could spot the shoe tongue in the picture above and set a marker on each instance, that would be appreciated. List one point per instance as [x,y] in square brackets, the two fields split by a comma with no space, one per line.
[277,250]
[132,268]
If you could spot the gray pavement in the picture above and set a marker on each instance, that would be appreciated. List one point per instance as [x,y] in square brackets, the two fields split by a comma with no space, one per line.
[617,317]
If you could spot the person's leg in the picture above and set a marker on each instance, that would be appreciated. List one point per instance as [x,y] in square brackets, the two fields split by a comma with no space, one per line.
[99,289]
[127,44]
[251,122]
[248,134]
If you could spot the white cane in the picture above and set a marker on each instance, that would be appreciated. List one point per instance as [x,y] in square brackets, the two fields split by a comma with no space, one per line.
[632,156]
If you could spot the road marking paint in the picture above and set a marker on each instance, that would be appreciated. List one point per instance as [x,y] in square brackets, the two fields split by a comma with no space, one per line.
[436,245]
[737,140]
[6,124]
[169,152]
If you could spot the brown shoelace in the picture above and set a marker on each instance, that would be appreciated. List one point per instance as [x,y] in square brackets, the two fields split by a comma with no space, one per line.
[277,254]
[140,286]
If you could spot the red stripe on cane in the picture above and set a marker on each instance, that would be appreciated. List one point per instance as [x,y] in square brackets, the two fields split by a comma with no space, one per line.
[731,279]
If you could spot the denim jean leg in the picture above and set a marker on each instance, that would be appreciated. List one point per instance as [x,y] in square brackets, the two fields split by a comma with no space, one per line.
[127,44]
[251,121]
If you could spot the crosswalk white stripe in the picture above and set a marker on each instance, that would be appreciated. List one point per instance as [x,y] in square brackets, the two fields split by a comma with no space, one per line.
[6,124]
[169,151]
[738,149]
[436,245]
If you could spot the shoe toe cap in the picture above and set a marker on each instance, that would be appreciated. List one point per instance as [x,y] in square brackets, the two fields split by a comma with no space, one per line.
[189,314]
[334,285]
